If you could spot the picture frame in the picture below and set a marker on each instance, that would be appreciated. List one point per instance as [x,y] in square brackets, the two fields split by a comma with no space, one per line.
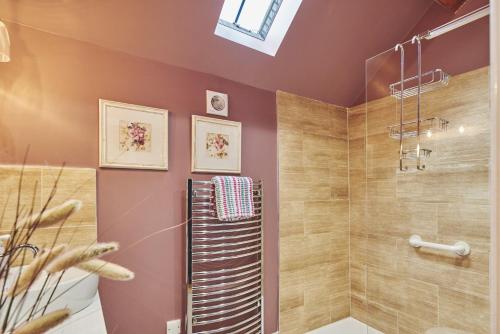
[215,145]
[132,136]
[217,103]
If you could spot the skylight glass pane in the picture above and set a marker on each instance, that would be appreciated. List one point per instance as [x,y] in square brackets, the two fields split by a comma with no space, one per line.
[253,14]
[230,10]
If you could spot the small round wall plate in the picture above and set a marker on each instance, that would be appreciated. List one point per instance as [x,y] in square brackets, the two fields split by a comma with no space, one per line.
[217,103]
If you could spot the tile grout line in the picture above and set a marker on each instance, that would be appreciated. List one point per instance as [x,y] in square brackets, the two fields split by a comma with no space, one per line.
[349,210]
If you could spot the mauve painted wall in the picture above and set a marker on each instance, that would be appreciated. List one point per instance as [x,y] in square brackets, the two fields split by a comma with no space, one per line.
[49,100]
[456,52]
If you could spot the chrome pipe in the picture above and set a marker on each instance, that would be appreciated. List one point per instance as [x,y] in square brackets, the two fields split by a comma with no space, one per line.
[223,258]
[221,278]
[226,311]
[221,292]
[223,298]
[214,321]
[226,251]
[458,22]
[222,305]
[214,217]
[227,231]
[229,237]
[401,101]
[227,244]
[232,327]
[218,224]
[221,285]
[223,271]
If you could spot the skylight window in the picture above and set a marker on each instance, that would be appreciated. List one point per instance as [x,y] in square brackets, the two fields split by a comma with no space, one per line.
[258,24]
[253,17]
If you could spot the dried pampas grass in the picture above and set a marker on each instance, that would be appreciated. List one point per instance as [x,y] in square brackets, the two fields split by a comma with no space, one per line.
[52,216]
[44,323]
[31,272]
[107,270]
[80,254]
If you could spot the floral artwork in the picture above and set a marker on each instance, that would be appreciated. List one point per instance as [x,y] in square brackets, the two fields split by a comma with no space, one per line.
[132,136]
[135,136]
[217,145]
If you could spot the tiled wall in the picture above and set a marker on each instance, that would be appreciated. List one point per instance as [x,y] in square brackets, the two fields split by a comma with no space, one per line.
[395,288]
[37,185]
[314,213]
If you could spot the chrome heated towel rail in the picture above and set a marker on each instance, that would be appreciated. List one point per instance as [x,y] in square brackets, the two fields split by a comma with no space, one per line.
[224,266]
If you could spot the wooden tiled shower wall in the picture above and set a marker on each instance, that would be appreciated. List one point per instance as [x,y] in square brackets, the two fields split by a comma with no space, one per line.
[314,213]
[395,288]
[333,233]
[37,184]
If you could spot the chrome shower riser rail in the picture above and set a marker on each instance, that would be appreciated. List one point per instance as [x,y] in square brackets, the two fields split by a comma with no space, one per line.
[224,266]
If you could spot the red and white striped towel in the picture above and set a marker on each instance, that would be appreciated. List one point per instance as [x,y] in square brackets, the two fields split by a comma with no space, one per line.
[233,197]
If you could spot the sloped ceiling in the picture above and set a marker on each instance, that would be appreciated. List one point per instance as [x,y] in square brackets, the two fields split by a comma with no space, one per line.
[321,57]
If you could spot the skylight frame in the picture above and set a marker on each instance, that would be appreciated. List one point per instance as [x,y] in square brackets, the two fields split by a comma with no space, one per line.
[267,20]
[275,34]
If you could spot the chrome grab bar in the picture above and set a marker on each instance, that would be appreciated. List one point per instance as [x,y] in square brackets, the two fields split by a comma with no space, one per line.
[460,247]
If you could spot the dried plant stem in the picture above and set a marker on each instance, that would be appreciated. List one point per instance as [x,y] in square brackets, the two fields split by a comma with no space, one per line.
[51,216]
[128,248]
[53,291]
[107,270]
[11,301]
[28,276]
[80,254]
[44,323]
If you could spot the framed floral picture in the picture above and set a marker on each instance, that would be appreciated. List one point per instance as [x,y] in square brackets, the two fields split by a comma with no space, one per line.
[132,136]
[215,145]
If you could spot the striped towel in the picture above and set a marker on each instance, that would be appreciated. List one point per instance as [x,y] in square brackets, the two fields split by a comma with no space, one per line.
[233,197]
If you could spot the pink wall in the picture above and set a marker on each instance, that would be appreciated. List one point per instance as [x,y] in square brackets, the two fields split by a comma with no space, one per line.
[49,100]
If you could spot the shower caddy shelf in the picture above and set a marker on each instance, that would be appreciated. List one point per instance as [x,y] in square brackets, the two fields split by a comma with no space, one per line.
[412,154]
[426,82]
[432,125]
[432,80]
